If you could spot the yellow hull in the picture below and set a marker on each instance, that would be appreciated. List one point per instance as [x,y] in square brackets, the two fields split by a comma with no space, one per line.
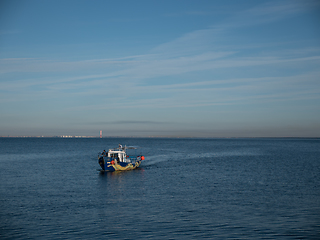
[122,166]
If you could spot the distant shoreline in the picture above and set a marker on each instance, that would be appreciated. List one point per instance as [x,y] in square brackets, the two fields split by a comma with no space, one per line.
[164,137]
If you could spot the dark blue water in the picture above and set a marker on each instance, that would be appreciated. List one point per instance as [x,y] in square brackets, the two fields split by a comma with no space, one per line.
[186,189]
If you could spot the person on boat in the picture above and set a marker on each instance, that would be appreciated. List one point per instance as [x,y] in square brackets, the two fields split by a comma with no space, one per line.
[120,146]
[104,153]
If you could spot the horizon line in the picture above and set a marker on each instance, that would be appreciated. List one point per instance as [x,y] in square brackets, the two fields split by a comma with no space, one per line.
[192,137]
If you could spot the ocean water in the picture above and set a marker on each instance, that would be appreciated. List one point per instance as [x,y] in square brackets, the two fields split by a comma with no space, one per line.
[185,189]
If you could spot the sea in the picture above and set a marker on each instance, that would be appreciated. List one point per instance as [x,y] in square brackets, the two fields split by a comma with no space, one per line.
[250,188]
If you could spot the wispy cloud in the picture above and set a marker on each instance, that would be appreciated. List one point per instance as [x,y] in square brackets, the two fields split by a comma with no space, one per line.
[264,13]
[121,122]
[198,51]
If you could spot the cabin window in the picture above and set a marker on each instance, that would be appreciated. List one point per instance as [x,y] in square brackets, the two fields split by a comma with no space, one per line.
[114,155]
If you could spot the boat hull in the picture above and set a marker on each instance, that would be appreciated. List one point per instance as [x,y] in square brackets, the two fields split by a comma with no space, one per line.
[122,166]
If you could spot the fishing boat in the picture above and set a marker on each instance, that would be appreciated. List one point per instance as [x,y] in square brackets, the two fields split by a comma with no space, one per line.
[120,159]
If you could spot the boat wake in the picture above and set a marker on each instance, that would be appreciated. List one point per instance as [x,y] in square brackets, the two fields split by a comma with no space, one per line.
[173,156]
[152,160]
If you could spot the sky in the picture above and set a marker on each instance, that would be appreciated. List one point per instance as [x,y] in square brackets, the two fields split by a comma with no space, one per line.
[169,68]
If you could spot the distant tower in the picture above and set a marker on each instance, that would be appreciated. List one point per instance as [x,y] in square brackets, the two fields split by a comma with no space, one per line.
[100,133]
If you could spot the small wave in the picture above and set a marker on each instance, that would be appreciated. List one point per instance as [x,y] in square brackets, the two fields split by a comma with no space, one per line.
[223,154]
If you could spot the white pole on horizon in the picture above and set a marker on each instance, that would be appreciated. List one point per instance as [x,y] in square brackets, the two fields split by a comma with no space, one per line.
[100,133]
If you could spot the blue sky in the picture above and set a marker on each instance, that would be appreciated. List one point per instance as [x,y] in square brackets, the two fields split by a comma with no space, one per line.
[160,68]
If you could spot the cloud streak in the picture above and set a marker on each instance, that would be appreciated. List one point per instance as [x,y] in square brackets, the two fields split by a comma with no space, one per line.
[126,122]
